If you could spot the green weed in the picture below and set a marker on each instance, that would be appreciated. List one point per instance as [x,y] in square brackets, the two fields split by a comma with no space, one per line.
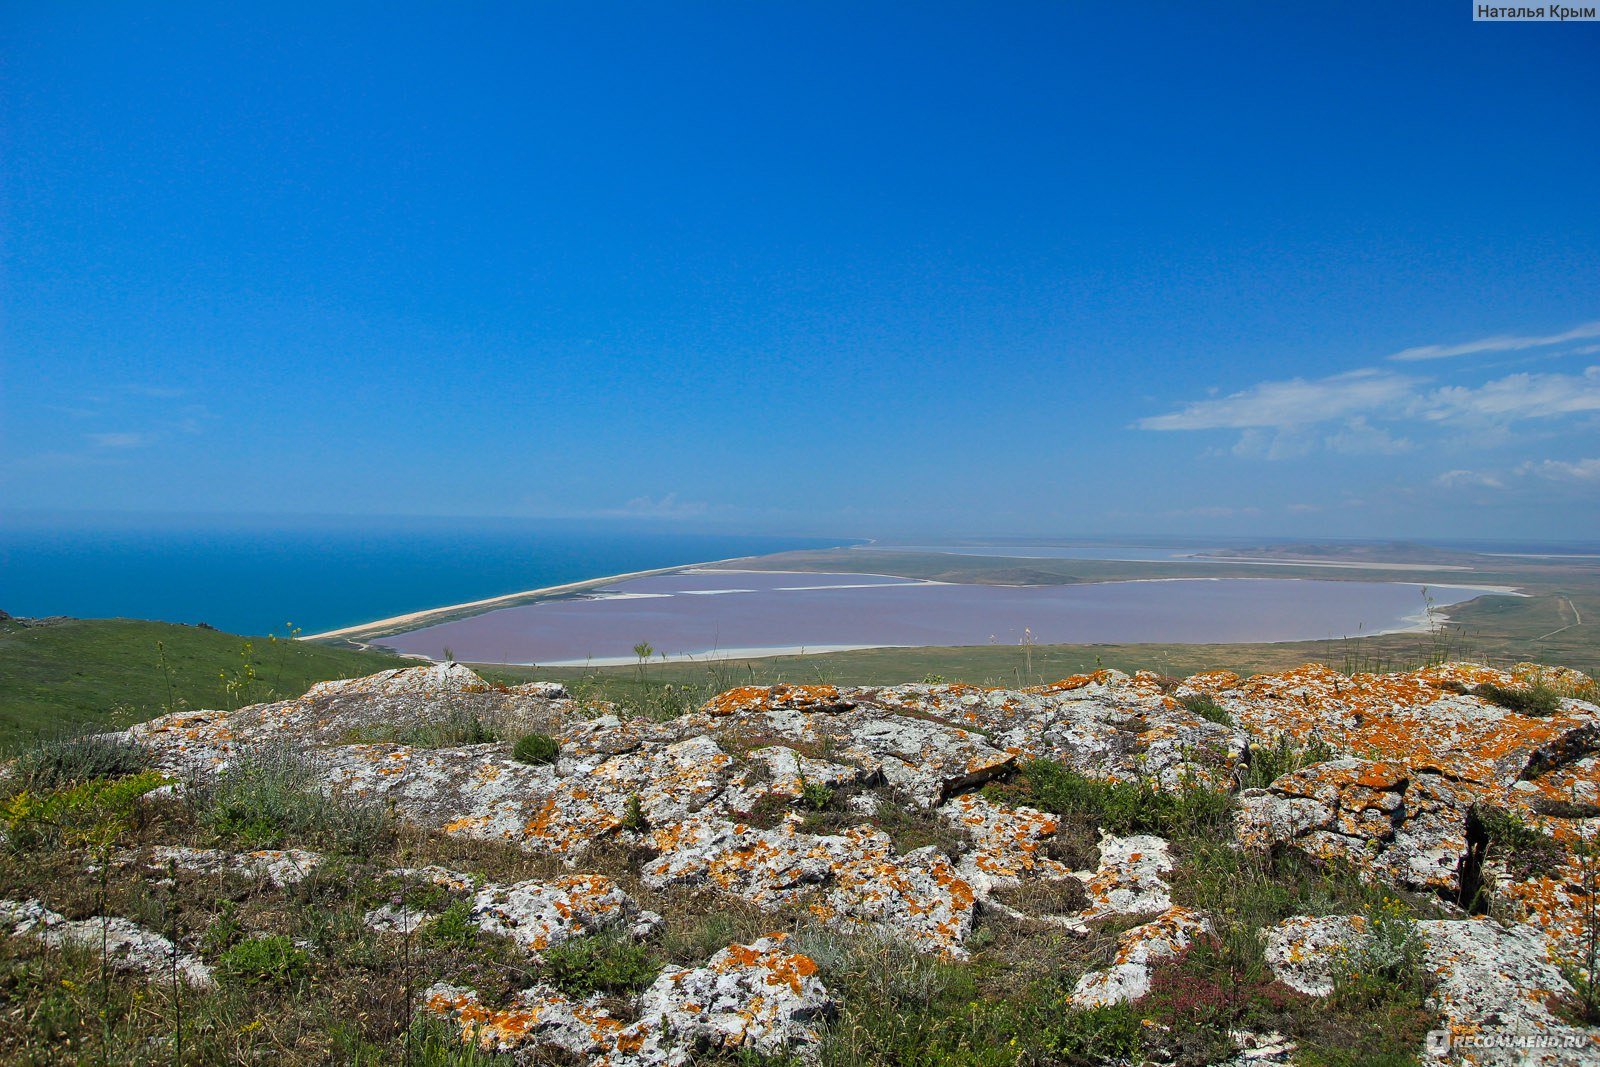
[600,963]
[536,749]
[270,960]
[272,796]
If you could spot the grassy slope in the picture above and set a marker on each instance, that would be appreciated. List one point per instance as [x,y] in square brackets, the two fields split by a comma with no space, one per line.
[108,671]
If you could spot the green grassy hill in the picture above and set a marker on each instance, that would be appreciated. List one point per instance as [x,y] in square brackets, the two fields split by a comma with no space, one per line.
[69,674]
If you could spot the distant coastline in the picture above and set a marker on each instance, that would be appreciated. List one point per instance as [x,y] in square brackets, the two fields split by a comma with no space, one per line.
[415,620]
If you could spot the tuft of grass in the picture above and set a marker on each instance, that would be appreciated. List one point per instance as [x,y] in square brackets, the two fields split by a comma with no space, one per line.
[269,960]
[273,796]
[599,963]
[434,1042]
[1203,705]
[458,727]
[1268,763]
[453,928]
[1524,850]
[816,796]
[1126,807]
[73,758]
[1537,700]
[536,749]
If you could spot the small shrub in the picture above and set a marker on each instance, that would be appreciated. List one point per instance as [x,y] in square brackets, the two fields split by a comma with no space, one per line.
[1524,850]
[536,749]
[92,813]
[1537,700]
[64,761]
[274,795]
[453,928]
[601,963]
[223,930]
[1268,763]
[815,795]
[1203,705]
[1387,958]
[271,960]
[633,817]
[1124,807]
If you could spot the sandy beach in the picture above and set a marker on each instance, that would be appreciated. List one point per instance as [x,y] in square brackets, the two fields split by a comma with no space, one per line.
[432,616]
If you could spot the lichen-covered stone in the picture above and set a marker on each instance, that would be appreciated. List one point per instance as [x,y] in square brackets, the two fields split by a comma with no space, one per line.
[126,945]
[1392,821]
[1131,878]
[757,997]
[1304,951]
[539,915]
[280,867]
[1138,950]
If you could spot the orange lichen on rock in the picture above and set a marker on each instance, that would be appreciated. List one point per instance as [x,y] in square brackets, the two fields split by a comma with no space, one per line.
[757,698]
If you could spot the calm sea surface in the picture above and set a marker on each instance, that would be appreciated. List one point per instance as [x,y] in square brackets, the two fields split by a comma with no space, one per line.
[255,581]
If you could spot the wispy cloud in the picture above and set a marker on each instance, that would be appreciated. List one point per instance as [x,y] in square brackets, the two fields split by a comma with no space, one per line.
[1377,412]
[1213,511]
[1291,403]
[1517,396]
[1560,470]
[1500,343]
[1465,479]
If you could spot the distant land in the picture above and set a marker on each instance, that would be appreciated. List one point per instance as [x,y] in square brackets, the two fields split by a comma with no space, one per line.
[1558,597]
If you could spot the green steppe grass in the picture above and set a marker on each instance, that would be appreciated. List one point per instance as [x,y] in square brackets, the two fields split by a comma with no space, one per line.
[109,672]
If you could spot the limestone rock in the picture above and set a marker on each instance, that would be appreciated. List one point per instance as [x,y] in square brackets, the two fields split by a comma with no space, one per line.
[539,915]
[1128,978]
[1407,825]
[281,867]
[757,997]
[754,997]
[127,945]
[1131,878]
[1304,950]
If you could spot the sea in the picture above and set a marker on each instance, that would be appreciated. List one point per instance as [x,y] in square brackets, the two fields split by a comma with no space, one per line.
[263,578]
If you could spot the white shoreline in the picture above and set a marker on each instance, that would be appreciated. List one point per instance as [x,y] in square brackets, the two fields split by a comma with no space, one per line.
[507,600]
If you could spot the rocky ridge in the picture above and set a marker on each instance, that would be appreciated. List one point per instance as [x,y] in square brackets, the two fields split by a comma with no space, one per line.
[714,800]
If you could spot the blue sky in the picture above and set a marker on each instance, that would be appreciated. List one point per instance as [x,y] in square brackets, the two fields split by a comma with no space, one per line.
[851,269]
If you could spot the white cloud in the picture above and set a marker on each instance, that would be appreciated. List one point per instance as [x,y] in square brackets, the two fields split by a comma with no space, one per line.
[1464,479]
[1291,403]
[1501,343]
[1358,437]
[1374,412]
[1517,396]
[1559,470]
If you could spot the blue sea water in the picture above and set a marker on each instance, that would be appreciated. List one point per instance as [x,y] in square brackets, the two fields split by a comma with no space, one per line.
[258,580]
